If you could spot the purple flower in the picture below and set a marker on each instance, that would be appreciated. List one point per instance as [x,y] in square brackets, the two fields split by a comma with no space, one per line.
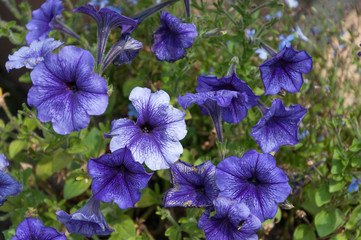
[3,163]
[173,38]
[246,99]
[87,221]
[254,180]
[118,177]
[232,221]
[354,186]
[42,19]
[268,17]
[250,33]
[284,71]
[124,51]
[65,90]
[278,126]
[154,139]
[29,57]
[106,20]
[193,186]
[32,228]
[285,42]
[8,185]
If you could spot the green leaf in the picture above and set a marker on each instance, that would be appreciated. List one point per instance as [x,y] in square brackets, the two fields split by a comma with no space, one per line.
[356,145]
[303,232]
[327,222]
[355,219]
[335,186]
[44,169]
[340,236]
[322,196]
[74,188]
[15,147]
[124,230]
[148,198]
[173,233]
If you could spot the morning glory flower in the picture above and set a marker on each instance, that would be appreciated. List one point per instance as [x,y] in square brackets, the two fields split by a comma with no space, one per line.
[87,221]
[254,180]
[354,186]
[65,90]
[124,51]
[106,20]
[193,186]
[250,33]
[278,126]
[233,220]
[3,163]
[8,185]
[246,99]
[44,20]
[118,177]
[32,228]
[173,38]
[29,57]
[299,34]
[285,41]
[262,53]
[292,3]
[154,139]
[284,71]
[99,3]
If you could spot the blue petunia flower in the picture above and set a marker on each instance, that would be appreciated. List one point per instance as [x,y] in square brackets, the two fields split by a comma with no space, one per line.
[254,180]
[118,177]
[32,228]
[124,51]
[262,53]
[354,186]
[285,42]
[106,20]
[233,220]
[154,139]
[8,185]
[99,3]
[173,38]
[278,126]
[41,22]
[250,33]
[284,71]
[65,90]
[3,163]
[193,186]
[292,3]
[299,34]
[29,57]
[87,221]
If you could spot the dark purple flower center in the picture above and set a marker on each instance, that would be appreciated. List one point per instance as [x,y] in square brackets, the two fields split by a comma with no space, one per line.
[253,180]
[146,128]
[72,86]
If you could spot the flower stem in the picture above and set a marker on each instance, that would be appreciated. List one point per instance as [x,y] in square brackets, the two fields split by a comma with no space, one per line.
[270,50]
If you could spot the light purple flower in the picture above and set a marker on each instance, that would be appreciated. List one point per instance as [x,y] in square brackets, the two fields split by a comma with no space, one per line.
[262,53]
[278,15]
[154,139]
[42,19]
[29,57]
[255,181]
[232,221]
[99,3]
[173,38]
[354,186]
[193,186]
[299,34]
[87,221]
[3,163]
[106,20]
[250,33]
[118,177]
[278,126]
[292,3]
[32,228]
[268,17]
[65,90]
[285,42]
[284,71]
